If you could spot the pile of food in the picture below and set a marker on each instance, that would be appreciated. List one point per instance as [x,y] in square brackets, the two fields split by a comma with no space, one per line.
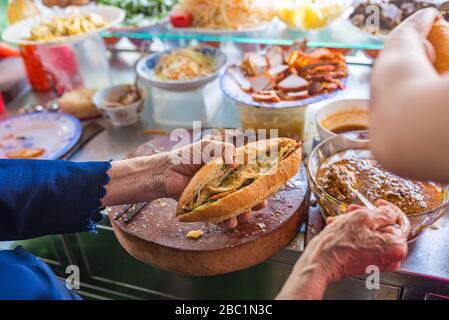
[184,64]
[58,27]
[222,15]
[355,169]
[139,12]
[290,74]
[78,103]
[392,13]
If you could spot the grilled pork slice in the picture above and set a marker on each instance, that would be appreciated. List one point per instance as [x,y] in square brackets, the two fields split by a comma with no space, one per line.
[236,73]
[262,82]
[254,64]
[275,56]
[316,87]
[295,47]
[278,72]
[292,96]
[217,192]
[293,83]
[266,96]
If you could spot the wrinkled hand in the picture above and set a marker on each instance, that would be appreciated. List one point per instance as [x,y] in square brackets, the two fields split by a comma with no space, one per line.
[178,176]
[362,238]
[347,246]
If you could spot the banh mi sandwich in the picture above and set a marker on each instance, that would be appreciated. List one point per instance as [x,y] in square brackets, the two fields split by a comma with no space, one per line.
[219,191]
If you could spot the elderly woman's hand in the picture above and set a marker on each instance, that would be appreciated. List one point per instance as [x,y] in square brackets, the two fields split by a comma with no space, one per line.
[347,246]
[182,167]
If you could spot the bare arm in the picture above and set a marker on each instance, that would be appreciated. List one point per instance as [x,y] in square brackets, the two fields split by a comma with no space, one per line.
[349,243]
[409,104]
[158,176]
[136,180]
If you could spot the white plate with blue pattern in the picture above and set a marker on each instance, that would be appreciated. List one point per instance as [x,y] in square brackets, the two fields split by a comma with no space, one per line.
[146,66]
[55,133]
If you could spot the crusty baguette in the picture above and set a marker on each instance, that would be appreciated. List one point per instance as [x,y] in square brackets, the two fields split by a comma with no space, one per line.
[439,38]
[200,179]
[240,200]
[293,83]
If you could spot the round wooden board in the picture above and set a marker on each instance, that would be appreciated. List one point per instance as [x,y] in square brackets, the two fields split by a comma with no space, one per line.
[156,237]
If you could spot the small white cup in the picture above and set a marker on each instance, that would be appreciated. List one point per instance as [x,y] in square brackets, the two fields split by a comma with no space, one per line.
[119,115]
[341,113]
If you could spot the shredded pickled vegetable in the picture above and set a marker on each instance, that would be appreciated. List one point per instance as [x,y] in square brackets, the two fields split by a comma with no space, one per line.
[184,64]
[229,15]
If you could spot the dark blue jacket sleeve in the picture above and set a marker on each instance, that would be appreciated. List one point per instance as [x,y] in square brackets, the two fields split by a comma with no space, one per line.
[42,197]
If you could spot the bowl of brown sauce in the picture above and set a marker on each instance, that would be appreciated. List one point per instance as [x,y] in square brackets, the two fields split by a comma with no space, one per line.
[424,202]
[342,116]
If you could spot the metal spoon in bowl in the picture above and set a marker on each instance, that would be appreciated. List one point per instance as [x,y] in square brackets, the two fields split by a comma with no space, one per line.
[344,174]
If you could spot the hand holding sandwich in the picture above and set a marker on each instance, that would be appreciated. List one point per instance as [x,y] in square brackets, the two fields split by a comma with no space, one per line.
[153,177]
[347,246]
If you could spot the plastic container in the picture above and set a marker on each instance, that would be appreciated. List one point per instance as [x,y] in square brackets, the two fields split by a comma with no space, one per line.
[180,109]
[68,62]
[288,121]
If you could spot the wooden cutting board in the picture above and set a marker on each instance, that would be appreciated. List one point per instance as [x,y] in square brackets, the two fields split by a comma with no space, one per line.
[156,237]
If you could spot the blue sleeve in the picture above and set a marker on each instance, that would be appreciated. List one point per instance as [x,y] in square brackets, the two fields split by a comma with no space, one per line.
[26,277]
[43,197]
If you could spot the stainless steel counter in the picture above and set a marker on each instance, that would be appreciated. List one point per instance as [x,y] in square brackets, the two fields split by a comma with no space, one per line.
[427,265]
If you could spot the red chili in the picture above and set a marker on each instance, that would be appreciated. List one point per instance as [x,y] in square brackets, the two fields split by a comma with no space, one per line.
[181,19]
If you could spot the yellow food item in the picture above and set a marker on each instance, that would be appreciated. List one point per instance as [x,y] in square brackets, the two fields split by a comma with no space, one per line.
[73,24]
[25,153]
[194,234]
[21,9]
[439,38]
[309,14]
[184,64]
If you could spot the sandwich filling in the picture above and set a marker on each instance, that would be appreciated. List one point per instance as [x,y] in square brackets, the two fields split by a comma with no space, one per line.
[256,163]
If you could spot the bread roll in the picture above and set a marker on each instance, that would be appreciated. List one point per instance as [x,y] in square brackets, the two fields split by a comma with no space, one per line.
[439,38]
[79,103]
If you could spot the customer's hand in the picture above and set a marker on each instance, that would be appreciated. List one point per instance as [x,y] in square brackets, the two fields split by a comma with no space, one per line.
[347,246]
[419,24]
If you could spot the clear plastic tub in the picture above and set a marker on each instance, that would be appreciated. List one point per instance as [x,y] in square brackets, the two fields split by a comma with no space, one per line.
[288,121]
[180,109]
[72,65]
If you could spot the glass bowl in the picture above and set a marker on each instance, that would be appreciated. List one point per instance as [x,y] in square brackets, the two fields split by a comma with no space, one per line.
[333,207]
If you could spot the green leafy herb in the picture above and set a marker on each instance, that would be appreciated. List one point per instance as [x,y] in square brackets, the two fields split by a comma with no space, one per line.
[140,11]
